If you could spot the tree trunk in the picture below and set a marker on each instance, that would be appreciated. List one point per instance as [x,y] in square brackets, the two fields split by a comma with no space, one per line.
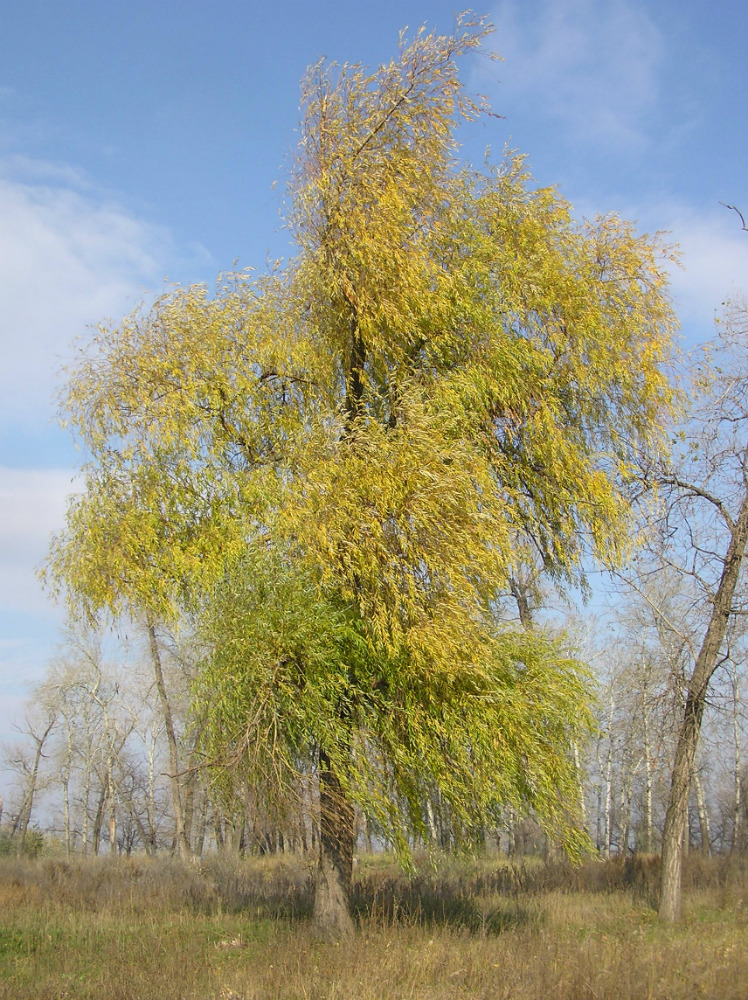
[521,593]
[233,831]
[706,836]
[33,778]
[688,737]
[202,825]
[86,800]
[599,796]
[182,836]
[151,805]
[145,834]
[580,787]
[99,819]
[112,813]
[433,832]
[304,796]
[608,784]
[218,827]
[510,825]
[647,785]
[736,812]
[65,774]
[188,806]
[332,916]
[624,821]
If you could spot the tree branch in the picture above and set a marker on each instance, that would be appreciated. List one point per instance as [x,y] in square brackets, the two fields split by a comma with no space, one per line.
[734,208]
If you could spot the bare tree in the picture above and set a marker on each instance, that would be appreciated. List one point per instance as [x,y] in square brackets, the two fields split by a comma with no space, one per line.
[38,725]
[703,530]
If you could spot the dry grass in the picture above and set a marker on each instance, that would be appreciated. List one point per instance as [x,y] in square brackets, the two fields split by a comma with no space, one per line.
[143,929]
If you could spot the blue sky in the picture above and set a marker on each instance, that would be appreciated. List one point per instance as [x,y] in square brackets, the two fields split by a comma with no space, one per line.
[139,141]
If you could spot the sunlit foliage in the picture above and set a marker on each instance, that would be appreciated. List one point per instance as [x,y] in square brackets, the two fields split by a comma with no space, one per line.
[333,468]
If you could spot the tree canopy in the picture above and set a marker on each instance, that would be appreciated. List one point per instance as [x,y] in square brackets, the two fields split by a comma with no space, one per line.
[333,467]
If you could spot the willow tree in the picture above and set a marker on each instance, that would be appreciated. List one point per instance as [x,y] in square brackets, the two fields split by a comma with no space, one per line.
[334,468]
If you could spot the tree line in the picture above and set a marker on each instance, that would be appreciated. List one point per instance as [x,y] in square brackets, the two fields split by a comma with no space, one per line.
[93,746]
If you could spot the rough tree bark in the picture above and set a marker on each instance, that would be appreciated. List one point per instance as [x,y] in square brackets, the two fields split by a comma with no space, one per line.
[332,898]
[704,667]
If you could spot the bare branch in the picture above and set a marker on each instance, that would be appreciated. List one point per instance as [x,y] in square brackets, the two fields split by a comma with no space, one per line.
[698,491]
[734,208]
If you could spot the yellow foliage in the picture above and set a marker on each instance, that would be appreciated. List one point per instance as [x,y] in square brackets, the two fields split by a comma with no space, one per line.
[452,370]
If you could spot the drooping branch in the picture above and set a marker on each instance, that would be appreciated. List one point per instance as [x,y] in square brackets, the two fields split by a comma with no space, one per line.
[734,208]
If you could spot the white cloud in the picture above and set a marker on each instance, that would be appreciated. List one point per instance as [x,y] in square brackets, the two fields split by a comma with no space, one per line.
[68,259]
[26,169]
[32,507]
[713,255]
[713,262]
[591,65]
[715,268]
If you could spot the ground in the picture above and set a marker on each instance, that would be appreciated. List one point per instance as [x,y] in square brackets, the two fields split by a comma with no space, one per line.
[139,929]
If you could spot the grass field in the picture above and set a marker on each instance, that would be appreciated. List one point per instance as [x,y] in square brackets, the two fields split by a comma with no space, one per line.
[141,928]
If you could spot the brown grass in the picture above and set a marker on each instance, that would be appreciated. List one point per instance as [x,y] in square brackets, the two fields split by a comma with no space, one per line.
[142,929]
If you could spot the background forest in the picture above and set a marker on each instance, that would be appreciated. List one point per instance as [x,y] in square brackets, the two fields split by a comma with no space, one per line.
[93,748]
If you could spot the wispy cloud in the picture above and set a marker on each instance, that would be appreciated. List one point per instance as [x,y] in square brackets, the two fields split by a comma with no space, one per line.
[591,65]
[598,75]
[71,256]
[67,259]
[32,507]
[26,169]
[714,259]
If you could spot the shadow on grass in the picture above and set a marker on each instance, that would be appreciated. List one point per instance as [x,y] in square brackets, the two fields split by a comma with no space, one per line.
[482,897]
[430,900]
